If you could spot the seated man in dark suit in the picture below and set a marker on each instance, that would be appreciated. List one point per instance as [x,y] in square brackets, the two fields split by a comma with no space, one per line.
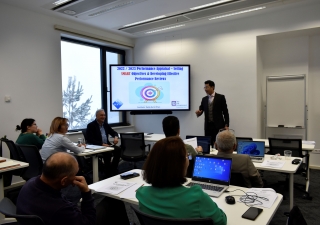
[97,134]
[41,195]
[226,144]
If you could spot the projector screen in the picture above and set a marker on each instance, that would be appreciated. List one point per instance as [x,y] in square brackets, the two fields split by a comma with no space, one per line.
[149,87]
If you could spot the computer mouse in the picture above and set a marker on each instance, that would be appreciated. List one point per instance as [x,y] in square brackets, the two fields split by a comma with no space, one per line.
[230,200]
[296,161]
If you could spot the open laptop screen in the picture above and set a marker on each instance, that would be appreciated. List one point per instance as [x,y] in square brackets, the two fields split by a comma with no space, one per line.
[213,168]
[203,141]
[252,148]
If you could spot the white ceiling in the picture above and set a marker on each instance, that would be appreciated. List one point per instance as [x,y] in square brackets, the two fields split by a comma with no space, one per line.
[145,9]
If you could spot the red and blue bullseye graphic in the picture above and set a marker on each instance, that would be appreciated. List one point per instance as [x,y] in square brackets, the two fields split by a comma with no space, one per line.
[150,93]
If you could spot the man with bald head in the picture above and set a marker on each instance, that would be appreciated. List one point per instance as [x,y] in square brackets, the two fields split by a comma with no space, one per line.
[226,144]
[41,195]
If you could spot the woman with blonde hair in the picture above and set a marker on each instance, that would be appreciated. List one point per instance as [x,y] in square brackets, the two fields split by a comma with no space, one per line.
[165,169]
[57,141]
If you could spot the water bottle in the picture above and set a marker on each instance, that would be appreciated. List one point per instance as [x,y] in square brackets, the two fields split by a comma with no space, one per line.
[79,141]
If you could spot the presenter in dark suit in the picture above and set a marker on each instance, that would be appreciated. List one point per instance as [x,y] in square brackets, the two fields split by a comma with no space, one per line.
[216,115]
[97,134]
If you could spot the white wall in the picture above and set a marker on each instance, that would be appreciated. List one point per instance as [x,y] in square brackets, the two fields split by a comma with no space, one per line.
[30,67]
[227,53]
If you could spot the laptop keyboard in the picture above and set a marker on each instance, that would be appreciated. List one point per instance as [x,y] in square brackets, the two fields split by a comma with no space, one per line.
[206,187]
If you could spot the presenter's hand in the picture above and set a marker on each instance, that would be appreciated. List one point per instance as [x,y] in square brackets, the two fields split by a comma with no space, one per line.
[199,112]
[199,149]
[39,132]
[81,183]
[115,140]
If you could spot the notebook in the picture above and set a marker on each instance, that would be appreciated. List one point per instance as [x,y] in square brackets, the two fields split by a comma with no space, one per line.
[203,141]
[255,149]
[94,147]
[212,173]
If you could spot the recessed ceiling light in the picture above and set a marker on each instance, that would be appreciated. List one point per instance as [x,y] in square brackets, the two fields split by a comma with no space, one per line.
[123,4]
[69,12]
[143,21]
[237,13]
[210,4]
[166,28]
[61,2]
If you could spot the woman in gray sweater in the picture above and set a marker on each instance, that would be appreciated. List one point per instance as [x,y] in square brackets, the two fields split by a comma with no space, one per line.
[57,141]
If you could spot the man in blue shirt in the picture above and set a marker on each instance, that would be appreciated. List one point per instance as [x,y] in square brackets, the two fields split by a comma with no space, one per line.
[97,134]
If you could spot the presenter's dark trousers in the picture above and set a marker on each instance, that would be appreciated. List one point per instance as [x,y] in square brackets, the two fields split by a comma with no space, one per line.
[212,131]
[111,167]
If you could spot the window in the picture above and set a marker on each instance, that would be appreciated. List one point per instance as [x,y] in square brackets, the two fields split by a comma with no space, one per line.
[85,82]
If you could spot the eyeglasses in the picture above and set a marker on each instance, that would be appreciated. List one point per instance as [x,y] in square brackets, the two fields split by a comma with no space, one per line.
[207,87]
[34,124]
[230,130]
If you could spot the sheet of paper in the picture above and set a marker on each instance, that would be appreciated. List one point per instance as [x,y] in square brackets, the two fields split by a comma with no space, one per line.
[191,141]
[88,150]
[264,197]
[147,135]
[308,142]
[273,163]
[115,188]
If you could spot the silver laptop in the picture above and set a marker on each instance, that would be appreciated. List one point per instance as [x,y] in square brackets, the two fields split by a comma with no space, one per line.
[94,147]
[255,149]
[212,173]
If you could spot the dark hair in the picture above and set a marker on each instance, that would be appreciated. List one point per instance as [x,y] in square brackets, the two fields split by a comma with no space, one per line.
[210,82]
[24,124]
[166,162]
[54,170]
[170,126]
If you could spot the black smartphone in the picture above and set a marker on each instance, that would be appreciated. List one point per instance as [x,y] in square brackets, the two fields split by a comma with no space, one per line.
[128,175]
[252,213]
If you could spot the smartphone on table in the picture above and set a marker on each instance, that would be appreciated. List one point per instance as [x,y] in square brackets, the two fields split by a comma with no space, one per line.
[128,175]
[252,213]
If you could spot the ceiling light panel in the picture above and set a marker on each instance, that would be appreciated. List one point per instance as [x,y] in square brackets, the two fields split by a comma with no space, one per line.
[144,21]
[165,28]
[237,13]
[227,8]
[172,21]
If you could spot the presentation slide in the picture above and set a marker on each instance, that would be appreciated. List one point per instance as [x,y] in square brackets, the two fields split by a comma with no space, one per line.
[149,87]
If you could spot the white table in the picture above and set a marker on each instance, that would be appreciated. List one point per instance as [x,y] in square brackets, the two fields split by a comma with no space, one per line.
[13,166]
[95,161]
[233,212]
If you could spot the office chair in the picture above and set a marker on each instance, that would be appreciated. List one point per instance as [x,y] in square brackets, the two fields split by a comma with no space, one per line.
[237,180]
[32,156]
[133,147]
[146,219]
[8,209]
[278,145]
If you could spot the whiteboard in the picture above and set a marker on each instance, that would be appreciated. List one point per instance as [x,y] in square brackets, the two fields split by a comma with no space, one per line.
[286,101]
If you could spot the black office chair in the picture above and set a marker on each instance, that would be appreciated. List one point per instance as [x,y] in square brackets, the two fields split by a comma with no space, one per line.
[133,147]
[237,180]
[32,156]
[278,145]
[8,209]
[146,219]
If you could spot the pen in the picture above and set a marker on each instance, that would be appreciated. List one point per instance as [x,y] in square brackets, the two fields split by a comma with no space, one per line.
[139,187]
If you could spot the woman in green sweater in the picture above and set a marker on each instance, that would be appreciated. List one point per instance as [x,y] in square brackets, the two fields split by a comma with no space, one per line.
[165,169]
[30,134]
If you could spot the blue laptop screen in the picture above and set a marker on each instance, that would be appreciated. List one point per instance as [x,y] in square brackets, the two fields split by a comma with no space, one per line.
[212,168]
[252,148]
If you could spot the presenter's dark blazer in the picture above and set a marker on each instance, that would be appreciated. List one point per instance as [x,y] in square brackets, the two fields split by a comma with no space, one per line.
[94,135]
[220,111]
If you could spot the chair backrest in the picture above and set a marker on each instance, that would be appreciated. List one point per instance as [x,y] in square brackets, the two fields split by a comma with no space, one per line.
[278,145]
[8,209]
[244,139]
[32,156]
[15,153]
[132,146]
[237,180]
[84,133]
[146,219]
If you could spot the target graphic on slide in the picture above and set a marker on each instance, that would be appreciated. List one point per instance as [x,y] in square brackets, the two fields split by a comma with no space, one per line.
[150,93]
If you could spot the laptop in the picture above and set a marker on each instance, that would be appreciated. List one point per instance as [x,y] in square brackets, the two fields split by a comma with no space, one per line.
[94,147]
[255,149]
[203,141]
[212,173]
